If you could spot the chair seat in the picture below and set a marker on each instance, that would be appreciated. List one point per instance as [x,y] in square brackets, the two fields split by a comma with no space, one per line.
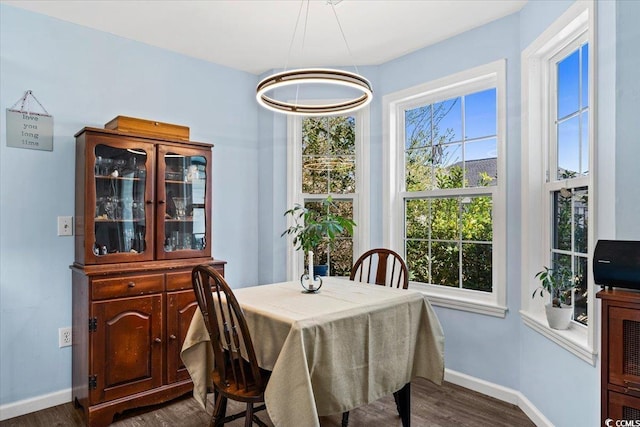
[251,393]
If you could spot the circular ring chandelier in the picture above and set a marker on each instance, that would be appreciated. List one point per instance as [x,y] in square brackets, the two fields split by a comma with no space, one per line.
[305,77]
[311,76]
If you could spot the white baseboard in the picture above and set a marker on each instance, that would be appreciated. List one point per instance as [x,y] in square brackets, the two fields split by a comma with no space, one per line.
[498,392]
[34,404]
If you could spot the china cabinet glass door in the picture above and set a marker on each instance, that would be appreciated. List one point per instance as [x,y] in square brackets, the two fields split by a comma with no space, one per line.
[121,203]
[183,182]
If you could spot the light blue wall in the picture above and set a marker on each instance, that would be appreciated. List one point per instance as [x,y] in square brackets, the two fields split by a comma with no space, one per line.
[536,16]
[627,123]
[272,189]
[562,387]
[85,78]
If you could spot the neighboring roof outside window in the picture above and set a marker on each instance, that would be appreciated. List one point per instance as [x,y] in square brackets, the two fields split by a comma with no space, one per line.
[474,169]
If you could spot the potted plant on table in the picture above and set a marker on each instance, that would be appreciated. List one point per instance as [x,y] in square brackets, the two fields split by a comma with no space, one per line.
[311,228]
[559,284]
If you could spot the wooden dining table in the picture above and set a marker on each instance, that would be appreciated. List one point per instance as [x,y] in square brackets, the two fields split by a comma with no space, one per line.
[347,345]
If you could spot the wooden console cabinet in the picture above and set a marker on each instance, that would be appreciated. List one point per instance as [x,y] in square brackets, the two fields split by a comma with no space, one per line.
[143,221]
[620,354]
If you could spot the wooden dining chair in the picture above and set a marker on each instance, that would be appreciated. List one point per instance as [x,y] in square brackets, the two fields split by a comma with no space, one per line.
[236,373]
[382,267]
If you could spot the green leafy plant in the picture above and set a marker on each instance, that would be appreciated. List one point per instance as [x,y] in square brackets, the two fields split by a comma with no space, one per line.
[310,228]
[557,282]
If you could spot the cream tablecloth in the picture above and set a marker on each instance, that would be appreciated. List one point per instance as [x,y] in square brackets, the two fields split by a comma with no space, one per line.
[348,345]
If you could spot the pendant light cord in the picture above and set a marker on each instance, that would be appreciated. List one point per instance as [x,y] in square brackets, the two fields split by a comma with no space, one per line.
[344,38]
[293,37]
[304,39]
[304,33]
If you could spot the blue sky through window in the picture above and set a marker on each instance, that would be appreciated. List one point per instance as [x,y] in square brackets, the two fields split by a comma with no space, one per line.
[450,122]
[480,114]
[479,120]
[461,129]
[572,116]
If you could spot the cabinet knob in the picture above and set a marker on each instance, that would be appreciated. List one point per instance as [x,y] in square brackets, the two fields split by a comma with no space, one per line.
[149,202]
[131,284]
[161,202]
[158,340]
[173,337]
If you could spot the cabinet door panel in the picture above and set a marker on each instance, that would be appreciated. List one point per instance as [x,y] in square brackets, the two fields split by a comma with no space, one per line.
[119,201]
[127,346]
[623,407]
[624,347]
[180,309]
[184,202]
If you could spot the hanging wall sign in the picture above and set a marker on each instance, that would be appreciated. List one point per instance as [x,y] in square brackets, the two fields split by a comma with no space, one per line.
[27,128]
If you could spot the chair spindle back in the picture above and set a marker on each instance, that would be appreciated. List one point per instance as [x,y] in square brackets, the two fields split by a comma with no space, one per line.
[382,267]
[234,356]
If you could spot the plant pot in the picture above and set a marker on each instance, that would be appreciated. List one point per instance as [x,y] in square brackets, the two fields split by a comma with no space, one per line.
[558,317]
[321,270]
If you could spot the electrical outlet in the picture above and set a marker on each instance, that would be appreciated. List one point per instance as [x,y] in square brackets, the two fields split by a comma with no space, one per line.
[65,226]
[64,337]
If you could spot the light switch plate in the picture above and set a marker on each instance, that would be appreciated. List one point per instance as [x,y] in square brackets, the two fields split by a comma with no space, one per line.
[65,226]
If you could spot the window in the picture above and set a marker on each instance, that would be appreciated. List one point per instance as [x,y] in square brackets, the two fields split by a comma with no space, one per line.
[445,198]
[326,159]
[568,185]
[557,165]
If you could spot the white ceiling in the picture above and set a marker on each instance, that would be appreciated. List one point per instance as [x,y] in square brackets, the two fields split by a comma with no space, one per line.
[255,35]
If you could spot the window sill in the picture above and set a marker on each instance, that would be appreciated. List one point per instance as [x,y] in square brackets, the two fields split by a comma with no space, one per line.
[574,339]
[457,302]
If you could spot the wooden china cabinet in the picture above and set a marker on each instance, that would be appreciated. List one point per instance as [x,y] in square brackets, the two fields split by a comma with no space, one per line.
[620,354]
[143,221]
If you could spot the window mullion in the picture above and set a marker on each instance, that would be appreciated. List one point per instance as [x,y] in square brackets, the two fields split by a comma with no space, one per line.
[464,140]
[579,112]
[430,234]
[552,165]
[448,193]
[460,284]
[573,253]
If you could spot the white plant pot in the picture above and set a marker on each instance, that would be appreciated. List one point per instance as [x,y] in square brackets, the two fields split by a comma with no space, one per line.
[558,317]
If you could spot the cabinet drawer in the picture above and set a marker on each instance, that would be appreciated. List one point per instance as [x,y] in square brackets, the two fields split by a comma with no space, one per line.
[126,286]
[178,280]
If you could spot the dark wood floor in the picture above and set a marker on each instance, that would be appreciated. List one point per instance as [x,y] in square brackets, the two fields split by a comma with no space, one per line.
[433,406]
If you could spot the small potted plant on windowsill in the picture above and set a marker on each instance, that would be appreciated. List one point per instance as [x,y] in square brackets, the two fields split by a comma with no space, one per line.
[311,228]
[559,284]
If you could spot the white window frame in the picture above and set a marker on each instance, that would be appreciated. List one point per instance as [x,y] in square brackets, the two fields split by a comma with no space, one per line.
[488,76]
[361,201]
[538,135]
